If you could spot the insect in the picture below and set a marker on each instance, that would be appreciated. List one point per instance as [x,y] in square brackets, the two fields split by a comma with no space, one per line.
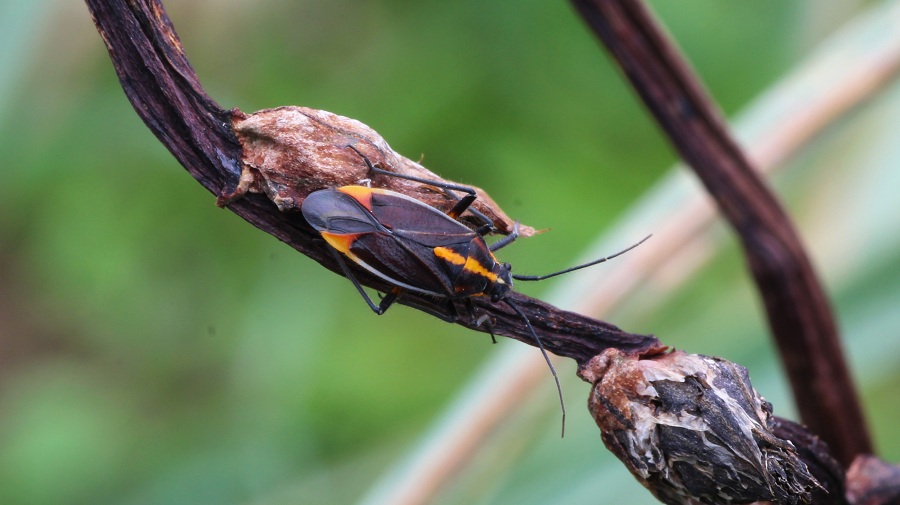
[415,247]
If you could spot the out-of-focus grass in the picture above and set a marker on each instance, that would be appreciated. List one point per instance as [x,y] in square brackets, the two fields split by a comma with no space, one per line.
[156,349]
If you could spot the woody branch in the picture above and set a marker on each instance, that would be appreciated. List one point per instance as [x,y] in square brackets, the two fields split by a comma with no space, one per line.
[163,88]
[796,305]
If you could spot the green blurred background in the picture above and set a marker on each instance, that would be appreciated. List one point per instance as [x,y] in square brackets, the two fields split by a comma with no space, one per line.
[156,349]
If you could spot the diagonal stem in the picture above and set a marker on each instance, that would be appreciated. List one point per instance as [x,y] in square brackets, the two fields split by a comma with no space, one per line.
[797,308]
[166,93]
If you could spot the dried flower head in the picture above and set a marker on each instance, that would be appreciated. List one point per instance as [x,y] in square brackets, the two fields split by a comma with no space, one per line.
[289,152]
[693,430]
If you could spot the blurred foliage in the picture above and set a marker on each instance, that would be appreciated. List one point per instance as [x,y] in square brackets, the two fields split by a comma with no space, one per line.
[156,349]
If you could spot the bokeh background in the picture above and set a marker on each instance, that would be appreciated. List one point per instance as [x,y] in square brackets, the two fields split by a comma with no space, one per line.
[155,349]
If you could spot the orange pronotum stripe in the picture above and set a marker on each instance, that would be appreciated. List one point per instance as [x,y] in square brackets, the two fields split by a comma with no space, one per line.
[361,194]
[449,256]
[477,268]
[469,264]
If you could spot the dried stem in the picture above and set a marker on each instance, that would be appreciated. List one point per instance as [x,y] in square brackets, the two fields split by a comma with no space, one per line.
[847,69]
[165,92]
[796,305]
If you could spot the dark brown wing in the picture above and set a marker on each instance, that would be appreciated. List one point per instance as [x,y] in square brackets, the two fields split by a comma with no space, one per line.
[390,235]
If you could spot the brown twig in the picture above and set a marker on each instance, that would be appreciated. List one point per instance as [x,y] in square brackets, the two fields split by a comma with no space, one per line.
[796,305]
[165,92]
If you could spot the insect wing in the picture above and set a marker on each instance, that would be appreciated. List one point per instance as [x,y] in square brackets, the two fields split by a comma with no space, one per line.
[338,213]
[402,262]
[346,217]
[412,220]
[420,230]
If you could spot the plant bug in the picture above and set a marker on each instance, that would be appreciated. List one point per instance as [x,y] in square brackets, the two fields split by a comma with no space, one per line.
[416,247]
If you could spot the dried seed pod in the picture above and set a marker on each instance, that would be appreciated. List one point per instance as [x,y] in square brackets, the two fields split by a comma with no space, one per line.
[817,457]
[289,152]
[693,430]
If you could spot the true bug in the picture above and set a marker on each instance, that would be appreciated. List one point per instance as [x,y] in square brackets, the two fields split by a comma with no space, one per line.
[418,248]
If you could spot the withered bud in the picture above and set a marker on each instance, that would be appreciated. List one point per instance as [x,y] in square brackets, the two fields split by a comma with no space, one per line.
[693,430]
[289,152]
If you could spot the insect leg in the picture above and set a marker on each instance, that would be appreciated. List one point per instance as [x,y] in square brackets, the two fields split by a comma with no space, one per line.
[391,296]
[453,318]
[388,299]
[386,302]
[505,241]
[490,326]
[483,320]
[484,229]
[430,182]
[461,205]
[562,403]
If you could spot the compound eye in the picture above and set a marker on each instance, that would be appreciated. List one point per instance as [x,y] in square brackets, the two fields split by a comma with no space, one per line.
[507,266]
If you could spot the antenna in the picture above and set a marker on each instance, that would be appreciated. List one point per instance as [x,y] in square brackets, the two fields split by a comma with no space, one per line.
[579,267]
[562,403]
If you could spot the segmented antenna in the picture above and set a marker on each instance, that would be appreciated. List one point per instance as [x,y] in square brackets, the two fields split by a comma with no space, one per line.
[562,403]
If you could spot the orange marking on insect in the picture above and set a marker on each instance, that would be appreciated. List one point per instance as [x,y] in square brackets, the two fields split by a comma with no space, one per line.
[449,256]
[361,194]
[341,242]
[475,267]
[470,265]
